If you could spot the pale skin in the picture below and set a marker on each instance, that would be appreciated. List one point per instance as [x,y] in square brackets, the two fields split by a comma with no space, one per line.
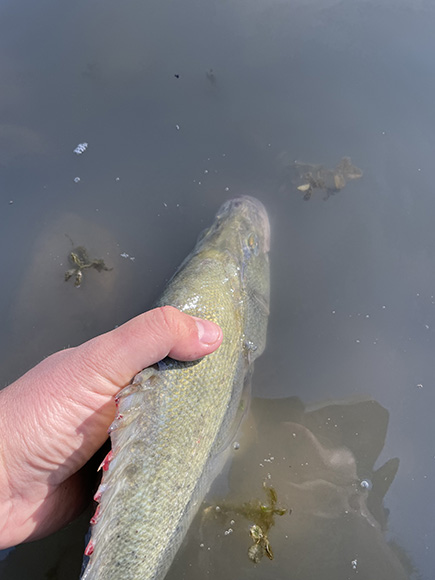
[56,416]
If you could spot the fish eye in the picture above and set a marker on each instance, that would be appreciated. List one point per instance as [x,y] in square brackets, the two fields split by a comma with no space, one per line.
[252,243]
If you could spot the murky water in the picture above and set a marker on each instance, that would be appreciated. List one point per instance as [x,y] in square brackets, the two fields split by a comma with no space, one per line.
[184,105]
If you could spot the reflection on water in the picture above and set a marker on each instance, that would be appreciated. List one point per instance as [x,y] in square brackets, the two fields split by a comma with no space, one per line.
[321,465]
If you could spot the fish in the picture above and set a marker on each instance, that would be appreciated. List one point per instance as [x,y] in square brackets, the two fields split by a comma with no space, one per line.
[176,419]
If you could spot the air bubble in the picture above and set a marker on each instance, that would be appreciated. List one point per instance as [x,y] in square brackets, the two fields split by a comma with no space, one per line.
[354,564]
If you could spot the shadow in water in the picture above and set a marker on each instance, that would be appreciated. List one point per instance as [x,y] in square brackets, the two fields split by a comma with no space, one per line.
[321,464]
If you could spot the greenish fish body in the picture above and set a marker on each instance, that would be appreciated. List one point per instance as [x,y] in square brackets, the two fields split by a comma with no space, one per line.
[174,419]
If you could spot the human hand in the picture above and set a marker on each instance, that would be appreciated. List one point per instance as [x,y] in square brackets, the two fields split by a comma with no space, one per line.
[56,416]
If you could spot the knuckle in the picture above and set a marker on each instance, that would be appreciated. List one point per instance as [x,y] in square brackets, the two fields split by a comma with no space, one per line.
[166,317]
[91,357]
[171,321]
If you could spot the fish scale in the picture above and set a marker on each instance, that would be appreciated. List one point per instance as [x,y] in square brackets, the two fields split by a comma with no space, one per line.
[176,418]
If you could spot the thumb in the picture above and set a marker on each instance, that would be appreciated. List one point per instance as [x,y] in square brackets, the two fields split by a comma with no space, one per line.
[121,353]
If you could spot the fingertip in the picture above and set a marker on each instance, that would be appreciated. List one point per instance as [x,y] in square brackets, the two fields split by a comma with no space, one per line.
[202,338]
[209,333]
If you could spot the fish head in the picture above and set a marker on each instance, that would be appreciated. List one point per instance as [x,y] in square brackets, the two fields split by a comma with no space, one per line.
[240,236]
[240,223]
